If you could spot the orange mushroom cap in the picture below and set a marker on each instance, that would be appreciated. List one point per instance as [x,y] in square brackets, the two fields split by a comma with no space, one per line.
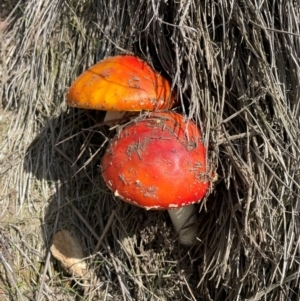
[121,83]
[157,163]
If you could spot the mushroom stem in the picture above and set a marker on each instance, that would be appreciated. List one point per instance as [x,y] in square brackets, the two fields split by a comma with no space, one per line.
[182,217]
[114,115]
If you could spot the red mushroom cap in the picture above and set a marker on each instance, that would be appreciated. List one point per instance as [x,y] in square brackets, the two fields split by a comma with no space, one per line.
[157,163]
[121,83]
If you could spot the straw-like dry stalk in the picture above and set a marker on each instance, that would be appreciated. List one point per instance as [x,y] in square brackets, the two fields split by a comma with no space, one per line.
[236,68]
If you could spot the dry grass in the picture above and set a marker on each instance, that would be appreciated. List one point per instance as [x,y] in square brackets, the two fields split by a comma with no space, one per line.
[236,67]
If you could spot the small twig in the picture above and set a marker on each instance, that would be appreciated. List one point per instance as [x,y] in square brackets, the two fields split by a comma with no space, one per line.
[9,272]
[189,289]
[83,220]
[267,290]
[275,30]
[48,252]
[124,289]
[107,226]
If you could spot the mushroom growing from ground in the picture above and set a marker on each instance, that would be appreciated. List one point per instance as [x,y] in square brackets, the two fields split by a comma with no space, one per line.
[121,83]
[159,162]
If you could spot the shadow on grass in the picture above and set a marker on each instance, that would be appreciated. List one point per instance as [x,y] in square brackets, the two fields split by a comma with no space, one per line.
[129,250]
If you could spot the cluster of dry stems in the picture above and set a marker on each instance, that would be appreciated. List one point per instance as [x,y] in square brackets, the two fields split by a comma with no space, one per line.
[235,65]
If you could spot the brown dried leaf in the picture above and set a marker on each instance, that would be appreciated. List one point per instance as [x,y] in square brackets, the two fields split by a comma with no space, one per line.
[68,251]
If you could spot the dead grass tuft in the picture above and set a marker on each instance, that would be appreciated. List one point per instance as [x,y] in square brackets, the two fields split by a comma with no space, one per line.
[235,66]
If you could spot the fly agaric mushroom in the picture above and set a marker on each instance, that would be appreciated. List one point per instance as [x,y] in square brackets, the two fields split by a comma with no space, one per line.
[159,163]
[121,83]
